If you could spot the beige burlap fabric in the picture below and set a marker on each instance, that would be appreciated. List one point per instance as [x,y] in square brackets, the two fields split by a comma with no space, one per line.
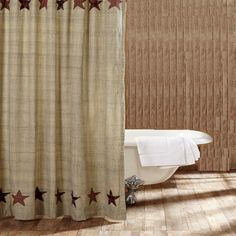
[61,109]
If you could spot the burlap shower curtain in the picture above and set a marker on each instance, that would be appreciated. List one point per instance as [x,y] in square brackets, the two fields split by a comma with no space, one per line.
[61,108]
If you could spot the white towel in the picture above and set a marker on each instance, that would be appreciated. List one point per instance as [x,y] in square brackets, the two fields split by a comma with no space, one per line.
[167,151]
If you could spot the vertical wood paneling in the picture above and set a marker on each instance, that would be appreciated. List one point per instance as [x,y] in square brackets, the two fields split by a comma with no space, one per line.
[159,67]
[196,75]
[181,73]
[166,70]
[153,34]
[145,66]
[141,37]
[131,45]
[173,104]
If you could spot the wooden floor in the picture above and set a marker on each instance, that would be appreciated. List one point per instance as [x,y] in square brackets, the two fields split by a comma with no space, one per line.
[188,204]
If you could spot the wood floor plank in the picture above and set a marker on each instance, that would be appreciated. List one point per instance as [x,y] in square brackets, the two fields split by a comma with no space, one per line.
[175,216]
[154,210]
[196,217]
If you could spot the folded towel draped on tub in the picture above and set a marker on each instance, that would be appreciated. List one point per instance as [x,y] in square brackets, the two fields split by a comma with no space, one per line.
[167,151]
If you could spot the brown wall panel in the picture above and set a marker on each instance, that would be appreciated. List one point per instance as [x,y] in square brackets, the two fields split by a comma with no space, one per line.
[181,71]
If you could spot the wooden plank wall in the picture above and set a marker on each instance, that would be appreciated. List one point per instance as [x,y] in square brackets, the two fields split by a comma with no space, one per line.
[181,71]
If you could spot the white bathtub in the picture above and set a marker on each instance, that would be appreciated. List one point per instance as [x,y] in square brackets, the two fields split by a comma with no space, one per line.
[154,175]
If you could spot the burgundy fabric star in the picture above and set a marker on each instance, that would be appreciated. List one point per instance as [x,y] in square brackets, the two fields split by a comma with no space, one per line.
[111,198]
[74,199]
[5,4]
[43,3]
[2,196]
[95,3]
[19,198]
[79,3]
[115,3]
[24,4]
[93,196]
[60,4]
[58,196]
[39,194]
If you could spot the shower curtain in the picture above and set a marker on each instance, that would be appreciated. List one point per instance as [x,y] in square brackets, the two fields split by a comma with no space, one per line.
[61,108]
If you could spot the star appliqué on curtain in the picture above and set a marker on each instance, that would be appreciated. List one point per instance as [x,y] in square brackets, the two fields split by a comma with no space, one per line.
[60,4]
[5,4]
[19,198]
[43,3]
[94,4]
[24,4]
[74,199]
[93,196]
[115,3]
[79,3]
[111,198]
[39,194]
[2,196]
[58,196]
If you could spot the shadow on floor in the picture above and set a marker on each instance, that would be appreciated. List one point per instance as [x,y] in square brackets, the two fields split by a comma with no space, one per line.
[186,197]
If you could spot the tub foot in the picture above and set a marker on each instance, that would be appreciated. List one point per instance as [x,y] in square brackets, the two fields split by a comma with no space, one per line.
[132,184]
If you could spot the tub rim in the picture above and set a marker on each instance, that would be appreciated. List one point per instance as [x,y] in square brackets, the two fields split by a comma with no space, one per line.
[199,137]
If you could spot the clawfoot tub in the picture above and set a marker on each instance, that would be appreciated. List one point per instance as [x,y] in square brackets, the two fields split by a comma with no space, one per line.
[135,174]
